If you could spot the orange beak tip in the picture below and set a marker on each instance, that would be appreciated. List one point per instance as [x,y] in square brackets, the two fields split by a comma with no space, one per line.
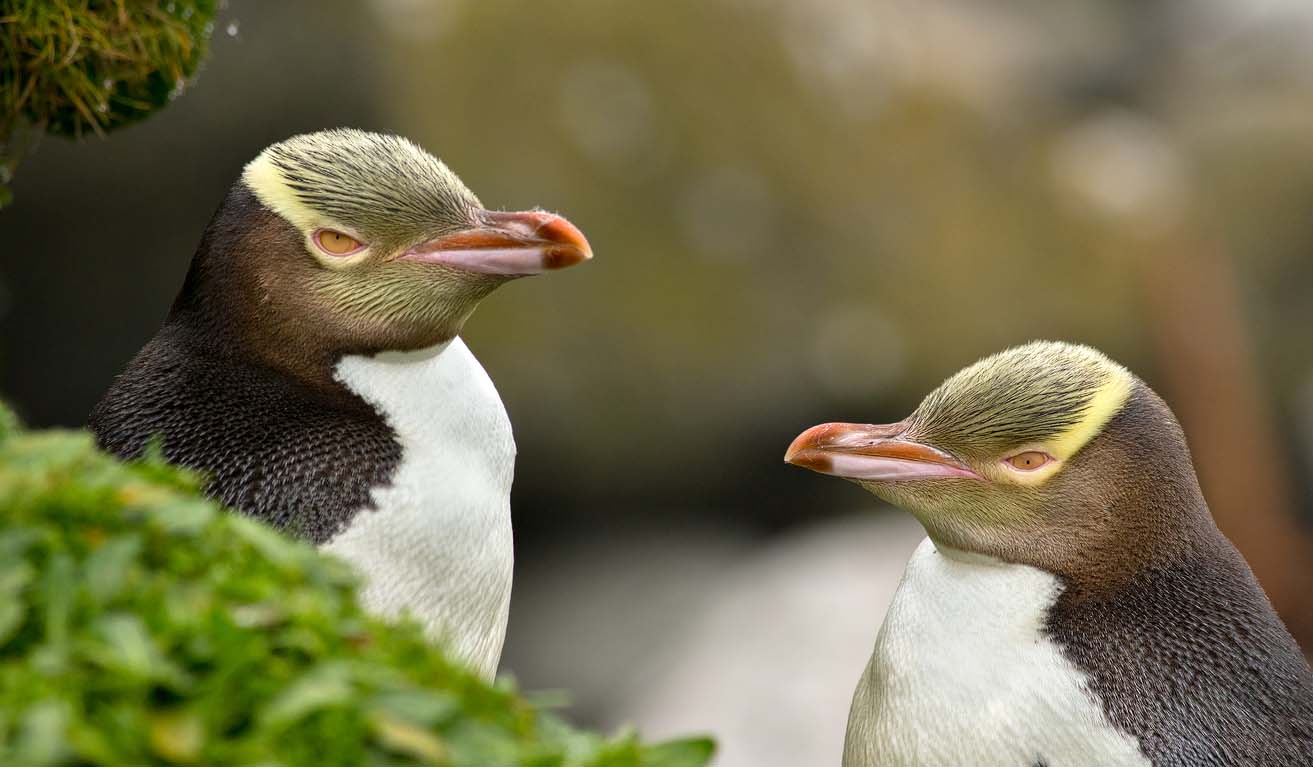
[571,246]
[564,256]
[814,460]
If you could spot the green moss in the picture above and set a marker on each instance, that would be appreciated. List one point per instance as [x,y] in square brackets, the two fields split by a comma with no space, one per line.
[71,67]
[142,625]
[77,66]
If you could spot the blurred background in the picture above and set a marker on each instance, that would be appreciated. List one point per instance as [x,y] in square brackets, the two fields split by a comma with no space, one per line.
[803,211]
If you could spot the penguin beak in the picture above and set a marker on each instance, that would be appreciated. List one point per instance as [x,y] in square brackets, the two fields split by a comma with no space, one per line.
[512,244]
[871,453]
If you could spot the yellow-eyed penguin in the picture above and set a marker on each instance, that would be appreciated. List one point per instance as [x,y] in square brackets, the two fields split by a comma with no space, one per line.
[1074,604]
[311,367]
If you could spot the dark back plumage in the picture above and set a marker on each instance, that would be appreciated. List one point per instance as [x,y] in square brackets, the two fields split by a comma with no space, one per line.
[1189,658]
[269,446]
[1176,636]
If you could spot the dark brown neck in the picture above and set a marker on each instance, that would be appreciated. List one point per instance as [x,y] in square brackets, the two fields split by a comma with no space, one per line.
[1131,500]
[255,291]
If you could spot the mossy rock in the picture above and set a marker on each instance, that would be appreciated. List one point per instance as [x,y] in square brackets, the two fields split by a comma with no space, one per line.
[140,624]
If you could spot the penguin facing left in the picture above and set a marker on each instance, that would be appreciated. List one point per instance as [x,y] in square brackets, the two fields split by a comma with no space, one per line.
[1074,603]
[311,367]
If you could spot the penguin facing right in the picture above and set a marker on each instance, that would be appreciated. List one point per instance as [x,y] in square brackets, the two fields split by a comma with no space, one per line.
[1074,603]
[311,367]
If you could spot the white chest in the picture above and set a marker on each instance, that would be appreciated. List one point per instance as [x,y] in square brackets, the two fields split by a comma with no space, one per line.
[963,674]
[438,543]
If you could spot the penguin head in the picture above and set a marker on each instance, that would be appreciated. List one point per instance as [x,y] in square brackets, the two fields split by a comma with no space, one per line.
[349,241]
[1038,454]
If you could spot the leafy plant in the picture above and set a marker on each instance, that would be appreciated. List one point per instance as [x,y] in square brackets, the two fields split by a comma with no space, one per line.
[140,624]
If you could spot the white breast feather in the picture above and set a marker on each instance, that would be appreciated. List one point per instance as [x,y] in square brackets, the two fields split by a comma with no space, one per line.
[963,674]
[438,542]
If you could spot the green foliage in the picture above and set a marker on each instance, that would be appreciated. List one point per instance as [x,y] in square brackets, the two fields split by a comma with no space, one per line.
[142,625]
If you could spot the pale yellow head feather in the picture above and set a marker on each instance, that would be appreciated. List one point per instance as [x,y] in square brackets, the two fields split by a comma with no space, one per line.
[270,187]
[385,191]
[1044,396]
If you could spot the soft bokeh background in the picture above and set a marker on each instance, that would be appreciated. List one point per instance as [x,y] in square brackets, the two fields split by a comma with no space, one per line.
[803,210]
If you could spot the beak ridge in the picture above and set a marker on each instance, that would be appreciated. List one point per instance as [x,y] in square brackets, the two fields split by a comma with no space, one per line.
[871,452]
[509,243]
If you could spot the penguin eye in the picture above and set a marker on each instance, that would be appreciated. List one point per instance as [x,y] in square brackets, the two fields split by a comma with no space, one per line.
[336,243]
[1029,460]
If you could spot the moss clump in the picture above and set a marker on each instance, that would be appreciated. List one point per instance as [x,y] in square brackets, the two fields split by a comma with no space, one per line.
[78,66]
[142,625]
[71,67]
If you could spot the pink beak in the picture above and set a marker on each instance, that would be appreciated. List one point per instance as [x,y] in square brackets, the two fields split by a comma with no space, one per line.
[516,244]
[870,452]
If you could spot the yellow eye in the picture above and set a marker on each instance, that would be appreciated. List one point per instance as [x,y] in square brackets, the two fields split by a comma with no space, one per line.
[1029,461]
[335,243]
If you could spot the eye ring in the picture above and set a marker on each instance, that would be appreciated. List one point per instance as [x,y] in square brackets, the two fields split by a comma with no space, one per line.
[1029,460]
[335,243]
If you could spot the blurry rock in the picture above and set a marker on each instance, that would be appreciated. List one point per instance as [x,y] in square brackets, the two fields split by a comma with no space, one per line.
[770,665]
[761,647]
[598,613]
